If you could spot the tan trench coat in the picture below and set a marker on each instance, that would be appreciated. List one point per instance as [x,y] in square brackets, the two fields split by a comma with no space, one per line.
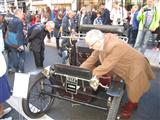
[123,60]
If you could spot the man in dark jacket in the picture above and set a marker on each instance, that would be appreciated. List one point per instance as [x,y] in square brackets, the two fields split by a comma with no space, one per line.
[68,25]
[15,42]
[37,41]
[68,28]
[105,15]
[58,23]
[85,16]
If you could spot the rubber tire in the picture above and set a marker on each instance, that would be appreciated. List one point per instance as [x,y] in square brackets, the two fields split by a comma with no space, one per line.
[25,102]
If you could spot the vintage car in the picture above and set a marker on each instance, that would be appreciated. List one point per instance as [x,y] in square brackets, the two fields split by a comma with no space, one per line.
[72,83]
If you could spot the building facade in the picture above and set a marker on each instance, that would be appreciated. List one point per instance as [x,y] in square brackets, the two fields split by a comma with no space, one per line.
[73,4]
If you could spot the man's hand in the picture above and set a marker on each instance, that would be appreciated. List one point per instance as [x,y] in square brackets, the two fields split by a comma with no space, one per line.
[69,28]
[152,30]
[20,48]
[142,9]
[94,83]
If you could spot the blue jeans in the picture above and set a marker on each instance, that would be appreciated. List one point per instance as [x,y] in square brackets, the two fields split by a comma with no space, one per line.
[21,60]
[16,59]
[12,58]
[64,56]
[142,40]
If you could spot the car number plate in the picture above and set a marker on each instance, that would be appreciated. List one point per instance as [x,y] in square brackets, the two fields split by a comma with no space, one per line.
[71,85]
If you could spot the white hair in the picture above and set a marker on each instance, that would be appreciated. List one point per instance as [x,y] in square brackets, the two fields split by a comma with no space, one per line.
[94,35]
[50,24]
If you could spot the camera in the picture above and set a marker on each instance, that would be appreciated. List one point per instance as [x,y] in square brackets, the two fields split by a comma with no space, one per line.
[146,9]
[118,21]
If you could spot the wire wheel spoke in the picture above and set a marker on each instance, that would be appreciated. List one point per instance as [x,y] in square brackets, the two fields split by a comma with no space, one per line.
[38,98]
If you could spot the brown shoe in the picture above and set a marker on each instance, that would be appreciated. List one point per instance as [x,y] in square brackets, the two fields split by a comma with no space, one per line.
[127,110]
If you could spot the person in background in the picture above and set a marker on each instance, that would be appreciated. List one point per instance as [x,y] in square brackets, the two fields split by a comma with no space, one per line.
[118,14]
[98,20]
[3,26]
[52,15]
[37,17]
[134,24]
[68,28]
[121,59]
[37,41]
[58,24]
[105,15]
[33,18]
[156,33]
[85,16]
[28,19]
[93,14]
[148,18]
[43,16]
[55,11]
[48,13]
[4,85]
[15,47]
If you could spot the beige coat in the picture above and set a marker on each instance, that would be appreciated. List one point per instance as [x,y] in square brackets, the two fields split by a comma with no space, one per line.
[123,60]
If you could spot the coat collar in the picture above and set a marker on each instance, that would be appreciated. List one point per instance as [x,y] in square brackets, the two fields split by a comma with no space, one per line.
[108,42]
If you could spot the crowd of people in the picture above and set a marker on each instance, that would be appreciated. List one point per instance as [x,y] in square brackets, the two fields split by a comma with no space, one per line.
[20,29]
[141,23]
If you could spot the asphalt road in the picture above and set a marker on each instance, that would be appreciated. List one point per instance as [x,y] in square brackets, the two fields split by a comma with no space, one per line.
[149,106]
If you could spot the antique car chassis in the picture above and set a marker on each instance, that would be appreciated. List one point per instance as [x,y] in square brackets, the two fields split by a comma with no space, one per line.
[71,83]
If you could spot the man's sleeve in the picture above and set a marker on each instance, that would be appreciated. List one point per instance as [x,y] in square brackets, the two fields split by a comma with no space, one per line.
[91,60]
[20,34]
[109,62]
[140,15]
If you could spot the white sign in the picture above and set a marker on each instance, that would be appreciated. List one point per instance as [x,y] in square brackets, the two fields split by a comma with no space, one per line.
[21,83]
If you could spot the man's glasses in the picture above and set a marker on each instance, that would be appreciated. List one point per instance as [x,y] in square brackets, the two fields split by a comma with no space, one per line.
[91,45]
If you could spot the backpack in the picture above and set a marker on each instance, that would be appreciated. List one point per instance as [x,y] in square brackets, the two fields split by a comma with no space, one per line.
[30,29]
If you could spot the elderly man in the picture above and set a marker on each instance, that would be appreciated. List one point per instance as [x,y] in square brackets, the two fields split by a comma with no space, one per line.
[124,61]
[37,41]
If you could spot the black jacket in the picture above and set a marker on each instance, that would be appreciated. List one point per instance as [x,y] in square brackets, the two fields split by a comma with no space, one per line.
[58,23]
[66,24]
[105,17]
[16,26]
[37,37]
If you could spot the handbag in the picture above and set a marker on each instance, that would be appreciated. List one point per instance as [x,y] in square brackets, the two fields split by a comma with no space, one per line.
[11,39]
